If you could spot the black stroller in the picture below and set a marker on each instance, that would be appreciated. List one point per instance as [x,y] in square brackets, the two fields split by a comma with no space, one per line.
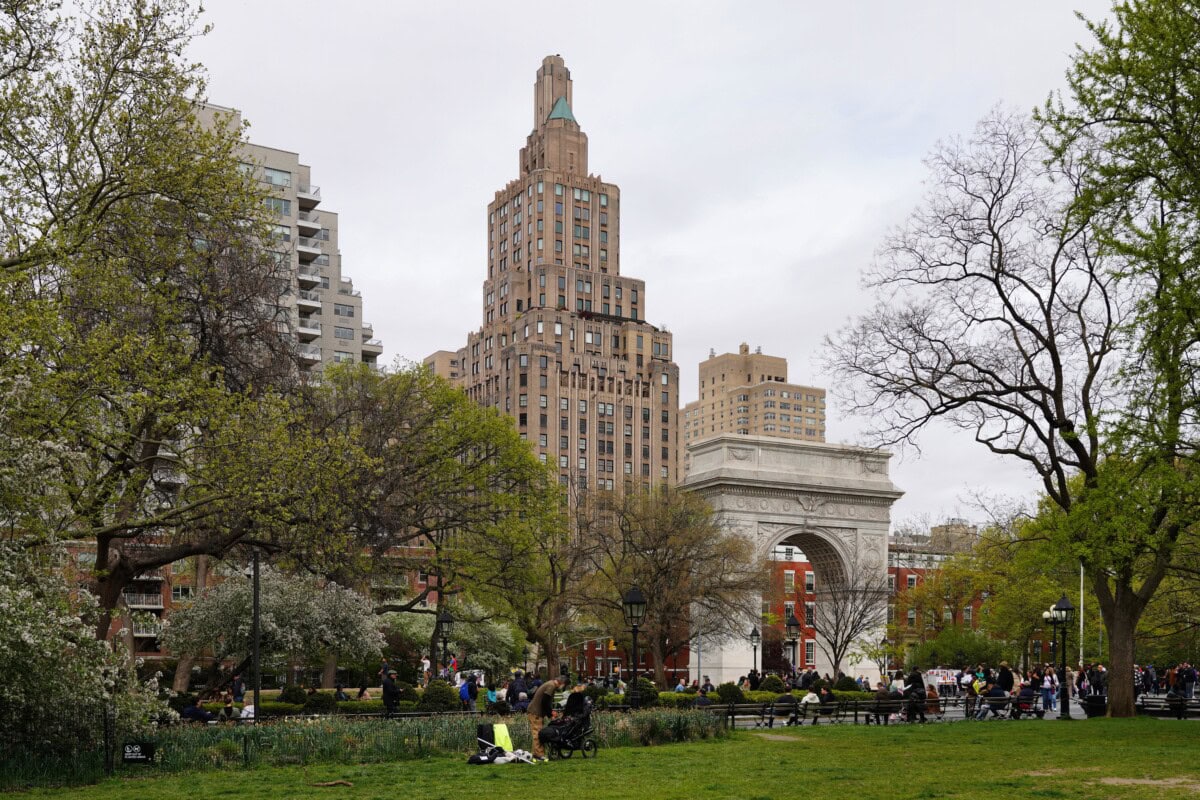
[570,732]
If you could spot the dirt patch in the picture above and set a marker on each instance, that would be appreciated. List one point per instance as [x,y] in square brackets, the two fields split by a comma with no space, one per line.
[775,737]
[1190,784]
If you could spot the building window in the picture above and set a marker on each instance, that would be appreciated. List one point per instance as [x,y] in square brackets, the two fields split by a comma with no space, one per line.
[912,581]
[810,653]
[279,205]
[810,612]
[342,357]
[968,613]
[810,581]
[912,616]
[181,593]
[343,310]
[277,177]
[789,581]
[343,333]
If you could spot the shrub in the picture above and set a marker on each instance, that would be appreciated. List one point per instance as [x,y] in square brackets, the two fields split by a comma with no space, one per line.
[772,683]
[647,693]
[293,694]
[439,696]
[361,707]
[596,693]
[676,699]
[320,703]
[276,709]
[846,684]
[408,693]
[730,693]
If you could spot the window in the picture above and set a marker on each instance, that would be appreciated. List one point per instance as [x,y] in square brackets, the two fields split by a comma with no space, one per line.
[789,610]
[810,612]
[343,333]
[892,583]
[342,357]
[912,581]
[789,581]
[279,205]
[810,653]
[810,581]
[968,613]
[181,593]
[277,177]
[342,310]
[912,616]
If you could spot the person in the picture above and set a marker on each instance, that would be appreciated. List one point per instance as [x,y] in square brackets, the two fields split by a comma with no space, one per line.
[707,685]
[238,687]
[541,706]
[681,686]
[992,699]
[363,693]
[248,711]
[424,670]
[812,704]
[228,712]
[882,707]
[933,704]
[1049,684]
[469,692]
[914,690]
[339,693]
[1177,701]
[195,712]
[391,694]
[702,698]
[1026,701]
[1005,678]
[754,680]
[576,704]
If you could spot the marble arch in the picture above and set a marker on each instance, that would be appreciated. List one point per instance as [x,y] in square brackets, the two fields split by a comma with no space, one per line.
[831,501]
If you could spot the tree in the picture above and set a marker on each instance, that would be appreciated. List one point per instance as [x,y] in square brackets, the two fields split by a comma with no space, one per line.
[301,619]
[59,679]
[1008,314]
[699,580]
[479,642]
[145,344]
[849,606]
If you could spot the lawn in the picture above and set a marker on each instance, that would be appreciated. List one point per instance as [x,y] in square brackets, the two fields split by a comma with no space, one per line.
[1140,758]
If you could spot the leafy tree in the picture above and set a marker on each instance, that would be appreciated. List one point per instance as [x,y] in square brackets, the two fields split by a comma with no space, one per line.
[479,643]
[956,646]
[849,605]
[699,580]
[300,619]
[58,678]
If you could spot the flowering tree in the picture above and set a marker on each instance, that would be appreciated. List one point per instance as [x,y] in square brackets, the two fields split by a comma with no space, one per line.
[59,680]
[300,619]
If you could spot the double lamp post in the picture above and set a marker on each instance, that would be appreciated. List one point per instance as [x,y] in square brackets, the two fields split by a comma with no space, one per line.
[1060,615]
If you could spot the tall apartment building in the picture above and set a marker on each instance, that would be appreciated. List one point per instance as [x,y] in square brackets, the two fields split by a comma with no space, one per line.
[748,393]
[327,314]
[564,347]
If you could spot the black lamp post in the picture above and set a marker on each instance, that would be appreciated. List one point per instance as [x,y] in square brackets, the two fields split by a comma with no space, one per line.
[445,624]
[1061,615]
[255,634]
[791,628]
[885,659]
[755,638]
[525,659]
[634,606]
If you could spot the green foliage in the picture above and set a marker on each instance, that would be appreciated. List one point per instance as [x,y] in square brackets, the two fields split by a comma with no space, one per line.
[647,692]
[730,693]
[439,696]
[272,708]
[320,703]
[956,647]
[295,695]
[845,684]
[772,683]
[408,693]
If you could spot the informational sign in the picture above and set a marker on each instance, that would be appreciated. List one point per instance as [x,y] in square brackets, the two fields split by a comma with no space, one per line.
[138,753]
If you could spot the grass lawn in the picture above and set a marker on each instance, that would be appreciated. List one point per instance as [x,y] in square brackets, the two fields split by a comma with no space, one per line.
[1140,758]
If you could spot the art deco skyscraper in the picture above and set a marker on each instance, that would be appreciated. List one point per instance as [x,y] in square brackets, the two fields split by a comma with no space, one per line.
[565,347]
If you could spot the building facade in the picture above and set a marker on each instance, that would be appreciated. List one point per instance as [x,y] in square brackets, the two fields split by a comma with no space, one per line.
[564,347]
[326,309]
[748,393]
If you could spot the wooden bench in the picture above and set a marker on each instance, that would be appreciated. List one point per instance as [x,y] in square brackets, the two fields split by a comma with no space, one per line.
[1161,705]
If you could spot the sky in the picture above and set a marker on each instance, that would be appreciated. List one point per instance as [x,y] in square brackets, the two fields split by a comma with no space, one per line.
[763,150]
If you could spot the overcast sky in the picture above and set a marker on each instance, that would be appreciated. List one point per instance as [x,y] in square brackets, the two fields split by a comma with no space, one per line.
[762,150]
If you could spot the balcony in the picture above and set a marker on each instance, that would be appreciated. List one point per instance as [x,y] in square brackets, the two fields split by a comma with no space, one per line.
[372,346]
[309,223]
[147,629]
[368,331]
[310,353]
[308,248]
[138,600]
[346,286]
[308,276]
[308,196]
[308,329]
[308,301]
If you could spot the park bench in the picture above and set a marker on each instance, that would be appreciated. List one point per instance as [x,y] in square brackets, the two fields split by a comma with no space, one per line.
[1161,705]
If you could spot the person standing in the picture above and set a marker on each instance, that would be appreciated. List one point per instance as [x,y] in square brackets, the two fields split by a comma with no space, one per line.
[391,694]
[238,687]
[424,670]
[541,706]
[1049,684]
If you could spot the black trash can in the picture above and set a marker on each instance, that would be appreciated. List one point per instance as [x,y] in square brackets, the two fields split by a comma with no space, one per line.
[1095,705]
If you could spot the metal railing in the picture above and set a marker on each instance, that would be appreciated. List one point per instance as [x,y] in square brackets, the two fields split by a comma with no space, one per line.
[309,189]
[309,324]
[309,241]
[144,600]
[308,294]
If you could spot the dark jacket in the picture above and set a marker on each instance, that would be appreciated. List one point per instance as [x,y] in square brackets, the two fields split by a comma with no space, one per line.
[1005,679]
[391,692]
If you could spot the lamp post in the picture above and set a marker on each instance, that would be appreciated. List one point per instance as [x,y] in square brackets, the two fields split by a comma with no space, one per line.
[255,633]
[445,624]
[885,659]
[791,629]
[755,638]
[633,604]
[1061,615]
[525,659]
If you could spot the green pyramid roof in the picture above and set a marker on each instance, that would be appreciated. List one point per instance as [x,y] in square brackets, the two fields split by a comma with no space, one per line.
[561,110]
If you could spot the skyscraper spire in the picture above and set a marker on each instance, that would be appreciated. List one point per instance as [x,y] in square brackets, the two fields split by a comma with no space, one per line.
[556,141]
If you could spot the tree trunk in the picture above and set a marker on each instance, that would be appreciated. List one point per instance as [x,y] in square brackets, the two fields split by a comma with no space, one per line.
[660,667]
[1121,627]
[183,670]
[329,673]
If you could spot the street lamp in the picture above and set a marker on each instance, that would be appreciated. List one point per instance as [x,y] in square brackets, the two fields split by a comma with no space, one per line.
[755,638]
[633,604]
[1060,615]
[525,659]
[255,635]
[445,624]
[791,627]
[885,659]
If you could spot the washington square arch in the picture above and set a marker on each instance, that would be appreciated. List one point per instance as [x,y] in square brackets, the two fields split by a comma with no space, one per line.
[833,502]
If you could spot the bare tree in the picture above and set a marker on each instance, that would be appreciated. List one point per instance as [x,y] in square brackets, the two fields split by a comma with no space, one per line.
[851,605]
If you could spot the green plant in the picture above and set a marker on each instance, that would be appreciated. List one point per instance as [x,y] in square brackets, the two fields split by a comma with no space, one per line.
[772,683]
[647,693]
[730,693]
[320,703]
[293,694]
[408,692]
[439,696]
[846,684]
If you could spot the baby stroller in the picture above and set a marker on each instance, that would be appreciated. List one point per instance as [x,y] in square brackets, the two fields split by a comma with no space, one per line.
[563,736]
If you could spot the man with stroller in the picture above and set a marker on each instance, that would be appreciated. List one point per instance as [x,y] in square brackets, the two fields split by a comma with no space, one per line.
[541,706]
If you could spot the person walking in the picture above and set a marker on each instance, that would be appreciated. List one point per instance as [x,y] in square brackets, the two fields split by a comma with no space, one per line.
[541,706]
[1049,685]
[391,694]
